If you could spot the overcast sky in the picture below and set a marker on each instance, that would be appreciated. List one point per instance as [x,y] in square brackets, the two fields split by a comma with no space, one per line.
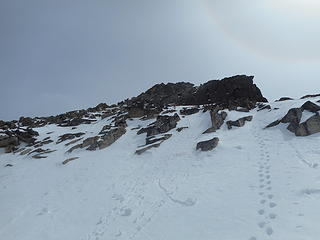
[60,55]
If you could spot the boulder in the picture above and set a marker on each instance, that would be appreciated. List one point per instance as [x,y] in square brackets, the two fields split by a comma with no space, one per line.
[208,145]
[232,92]
[310,106]
[240,122]
[110,137]
[6,141]
[69,136]
[293,117]
[217,119]
[309,127]
[163,124]
[136,112]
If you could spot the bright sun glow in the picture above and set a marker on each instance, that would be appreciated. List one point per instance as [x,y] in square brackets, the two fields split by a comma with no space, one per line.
[305,7]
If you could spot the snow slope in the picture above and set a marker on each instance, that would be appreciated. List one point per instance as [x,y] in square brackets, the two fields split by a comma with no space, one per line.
[257,184]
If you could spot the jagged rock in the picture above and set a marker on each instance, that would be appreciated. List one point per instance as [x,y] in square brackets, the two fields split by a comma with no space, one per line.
[163,124]
[162,94]
[208,145]
[310,96]
[69,136]
[217,119]
[236,91]
[8,141]
[26,121]
[153,139]
[10,148]
[310,106]
[105,129]
[189,111]
[136,112]
[181,128]
[76,122]
[88,142]
[229,92]
[69,160]
[293,117]
[309,127]
[108,114]
[284,99]
[240,122]
[110,137]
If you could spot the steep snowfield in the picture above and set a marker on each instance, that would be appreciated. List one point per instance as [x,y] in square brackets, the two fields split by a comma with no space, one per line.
[257,184]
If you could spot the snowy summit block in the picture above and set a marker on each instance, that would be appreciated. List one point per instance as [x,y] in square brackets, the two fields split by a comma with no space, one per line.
[208,145]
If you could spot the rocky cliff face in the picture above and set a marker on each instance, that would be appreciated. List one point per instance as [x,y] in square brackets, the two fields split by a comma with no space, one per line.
[232,92]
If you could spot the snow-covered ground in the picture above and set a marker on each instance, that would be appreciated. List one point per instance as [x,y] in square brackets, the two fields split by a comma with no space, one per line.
[257,184]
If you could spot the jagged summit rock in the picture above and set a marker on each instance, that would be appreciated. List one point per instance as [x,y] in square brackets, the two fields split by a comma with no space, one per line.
[231,92]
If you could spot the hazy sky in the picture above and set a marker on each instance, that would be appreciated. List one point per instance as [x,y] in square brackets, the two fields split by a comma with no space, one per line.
[60,55]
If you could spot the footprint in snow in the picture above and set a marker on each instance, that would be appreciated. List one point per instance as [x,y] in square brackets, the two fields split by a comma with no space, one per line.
[269,231]
[262,224]
[272,215]
[272,204]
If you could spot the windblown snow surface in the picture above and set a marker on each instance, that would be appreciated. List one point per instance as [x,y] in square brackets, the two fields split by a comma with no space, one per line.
[257,184]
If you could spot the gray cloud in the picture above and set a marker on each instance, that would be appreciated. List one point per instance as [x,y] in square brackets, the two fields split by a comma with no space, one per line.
[61,55]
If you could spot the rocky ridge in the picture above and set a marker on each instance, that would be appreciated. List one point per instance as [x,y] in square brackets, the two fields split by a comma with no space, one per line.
[158,105]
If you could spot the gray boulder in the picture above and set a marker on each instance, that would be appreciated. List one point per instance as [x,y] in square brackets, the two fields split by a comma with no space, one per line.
[163,124]
[217,119]
[6,141]
[240,122]
[310,106]
[309,127]
[208,145]
[110,137]
[293,117]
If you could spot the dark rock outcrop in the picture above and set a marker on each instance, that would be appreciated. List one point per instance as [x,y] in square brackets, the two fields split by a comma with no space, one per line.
[208,145]
[163,124]
[309,127]
[232,92]
[240,122]
[217,120]
[110,137]
[69,136]
[310,106]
